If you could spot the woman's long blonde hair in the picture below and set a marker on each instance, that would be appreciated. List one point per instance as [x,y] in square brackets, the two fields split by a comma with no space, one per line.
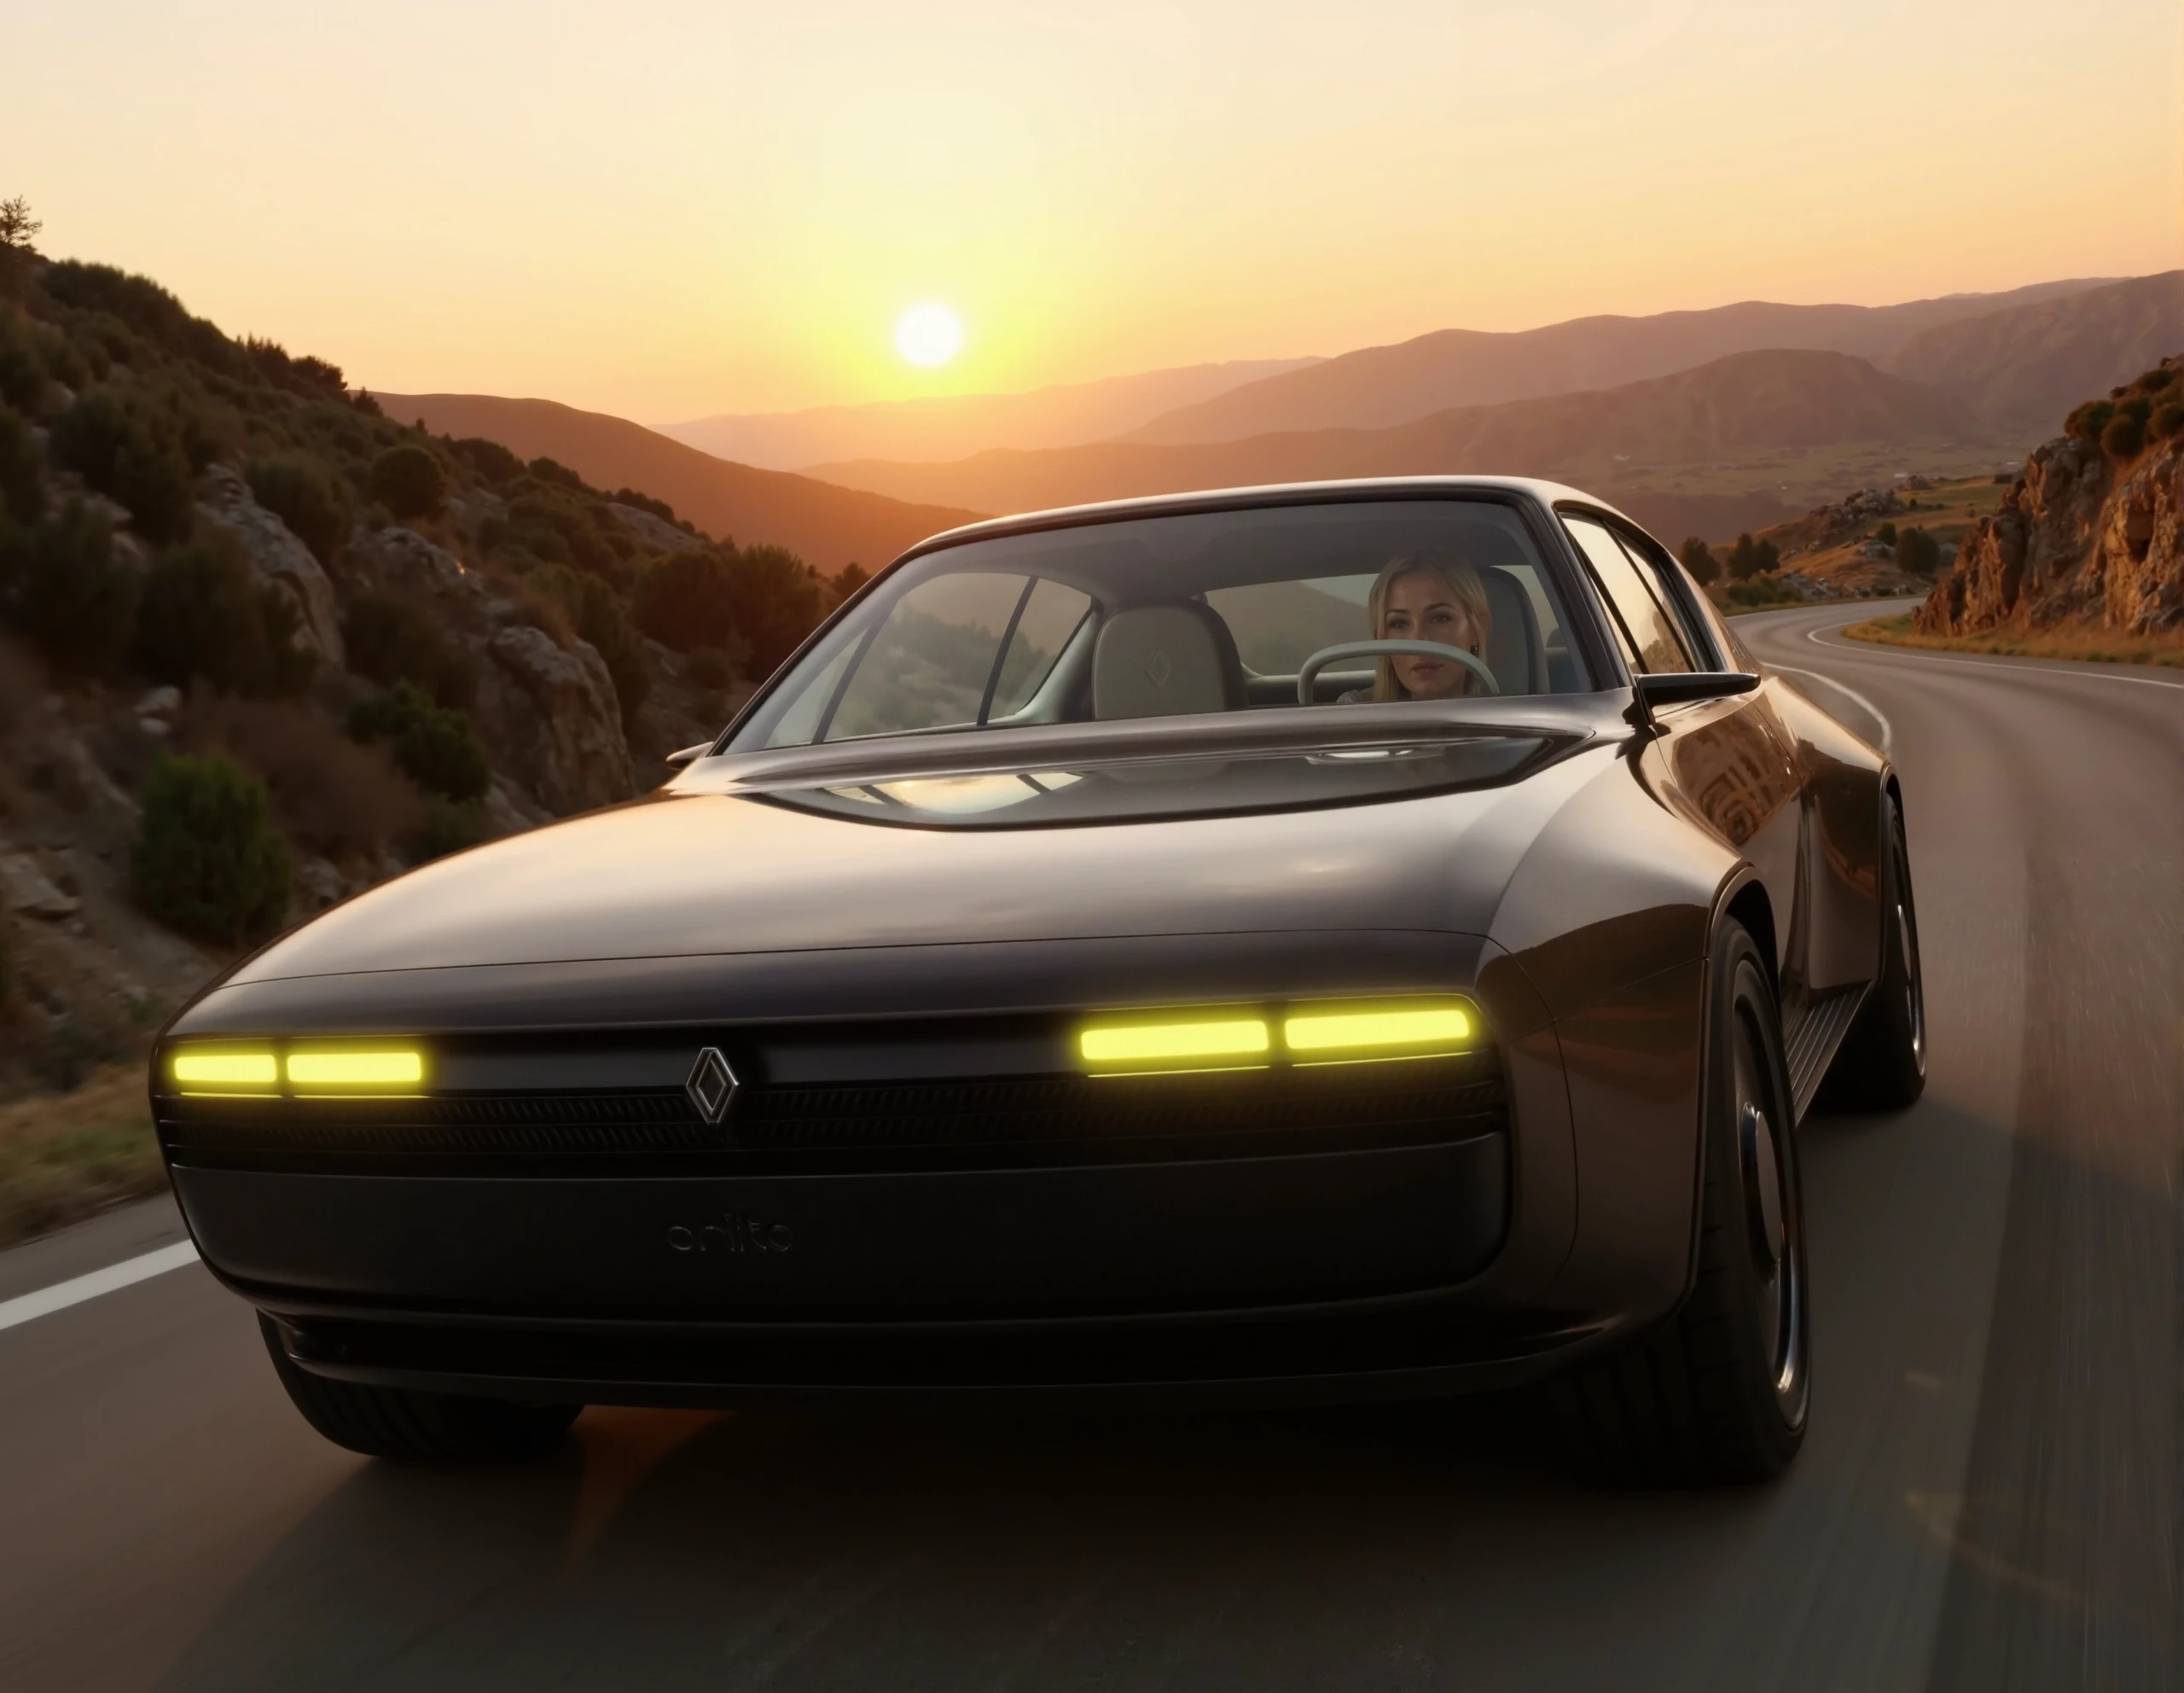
[1464,588]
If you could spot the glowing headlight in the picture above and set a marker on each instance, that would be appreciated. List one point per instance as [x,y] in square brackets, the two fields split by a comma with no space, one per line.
[223,1072]
[1329,1033]
[1209,1044]
[374,1069]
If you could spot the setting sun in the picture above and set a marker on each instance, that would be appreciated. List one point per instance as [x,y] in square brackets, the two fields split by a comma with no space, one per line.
[929,334]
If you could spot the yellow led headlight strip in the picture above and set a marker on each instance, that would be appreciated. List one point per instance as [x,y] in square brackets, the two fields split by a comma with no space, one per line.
[232,1072]
[1200,1044]
[388,1069]
[1341,1032]
[1329,1033]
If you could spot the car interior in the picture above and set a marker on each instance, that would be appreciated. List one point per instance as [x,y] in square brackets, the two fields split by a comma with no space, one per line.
[1167,616]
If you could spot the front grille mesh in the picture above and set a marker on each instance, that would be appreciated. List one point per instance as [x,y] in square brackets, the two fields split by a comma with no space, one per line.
[1439,1099]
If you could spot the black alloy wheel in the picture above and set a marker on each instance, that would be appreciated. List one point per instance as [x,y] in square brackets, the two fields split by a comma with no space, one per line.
[1722,1391]
[1881,1065]
[416,1428]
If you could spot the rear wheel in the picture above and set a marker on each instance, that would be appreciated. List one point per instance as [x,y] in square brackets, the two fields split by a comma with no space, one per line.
[1882,1063]
[1720,1394]
[416,1428]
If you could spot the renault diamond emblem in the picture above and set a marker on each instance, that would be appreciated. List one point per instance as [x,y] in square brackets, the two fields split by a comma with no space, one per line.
[1158,670]
[711,1085]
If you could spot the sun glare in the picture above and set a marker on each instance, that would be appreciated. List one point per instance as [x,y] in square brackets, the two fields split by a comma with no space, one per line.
[929,334]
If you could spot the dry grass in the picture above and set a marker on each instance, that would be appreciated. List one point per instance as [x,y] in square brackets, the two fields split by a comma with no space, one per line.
[65,1155]
[2094,646]
[332,794]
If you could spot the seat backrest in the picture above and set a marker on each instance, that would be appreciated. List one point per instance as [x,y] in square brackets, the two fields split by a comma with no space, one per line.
[1514,651]
[1165,661]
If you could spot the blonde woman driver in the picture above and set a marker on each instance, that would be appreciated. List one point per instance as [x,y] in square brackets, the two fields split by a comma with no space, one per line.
[1427,596]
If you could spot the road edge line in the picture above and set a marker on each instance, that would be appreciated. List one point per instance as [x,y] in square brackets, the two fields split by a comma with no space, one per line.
[43,1302]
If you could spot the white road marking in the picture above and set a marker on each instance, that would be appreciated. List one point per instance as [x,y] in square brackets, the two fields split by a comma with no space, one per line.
[127,1273]
[1887,734]
[1952,661]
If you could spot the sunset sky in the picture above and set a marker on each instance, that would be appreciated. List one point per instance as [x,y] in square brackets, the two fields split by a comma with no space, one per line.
[666,209]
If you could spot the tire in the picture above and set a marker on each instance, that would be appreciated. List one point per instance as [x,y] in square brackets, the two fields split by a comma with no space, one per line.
[1719,1394]
[416,1428]
[1881,1065]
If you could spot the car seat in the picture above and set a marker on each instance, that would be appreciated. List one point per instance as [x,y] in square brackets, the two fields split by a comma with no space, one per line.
[1165,661]
[1514,652]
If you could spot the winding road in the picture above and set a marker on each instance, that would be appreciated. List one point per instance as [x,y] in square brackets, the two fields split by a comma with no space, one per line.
[1990,1497]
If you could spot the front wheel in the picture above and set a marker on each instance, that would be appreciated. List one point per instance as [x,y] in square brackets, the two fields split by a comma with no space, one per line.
[1719,1394]
[1881,1065]
[413,1426]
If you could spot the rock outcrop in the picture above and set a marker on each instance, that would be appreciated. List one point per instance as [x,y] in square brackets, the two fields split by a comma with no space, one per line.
[224,499]
[2081,539]
[547,712]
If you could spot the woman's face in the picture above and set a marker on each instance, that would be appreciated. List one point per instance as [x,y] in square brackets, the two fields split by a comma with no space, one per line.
[1421,607]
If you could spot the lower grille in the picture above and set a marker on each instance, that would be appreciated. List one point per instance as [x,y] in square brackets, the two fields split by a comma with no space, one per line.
[1213,1114]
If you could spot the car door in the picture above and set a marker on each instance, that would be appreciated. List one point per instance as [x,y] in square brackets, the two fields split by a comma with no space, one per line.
[1728,762]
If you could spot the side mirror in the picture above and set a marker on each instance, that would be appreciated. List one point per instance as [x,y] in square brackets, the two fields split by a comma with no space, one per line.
[1670,688]
[688,755]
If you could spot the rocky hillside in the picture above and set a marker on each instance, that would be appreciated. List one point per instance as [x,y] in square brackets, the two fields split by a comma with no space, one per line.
[262,646]
[2091,535]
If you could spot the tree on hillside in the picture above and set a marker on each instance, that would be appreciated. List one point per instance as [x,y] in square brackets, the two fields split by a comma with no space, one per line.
[17,226]
[1917,552]
[1697,558]
[1748,558]
[409,481]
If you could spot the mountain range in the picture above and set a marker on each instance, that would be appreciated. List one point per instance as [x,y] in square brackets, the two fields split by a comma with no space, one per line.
[1377,386]
[825,525]
[951,425]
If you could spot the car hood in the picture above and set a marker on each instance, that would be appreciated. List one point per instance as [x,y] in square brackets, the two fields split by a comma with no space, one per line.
[720,866]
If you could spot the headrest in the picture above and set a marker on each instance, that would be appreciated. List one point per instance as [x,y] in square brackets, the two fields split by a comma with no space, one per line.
[1165,661]
[1514,652]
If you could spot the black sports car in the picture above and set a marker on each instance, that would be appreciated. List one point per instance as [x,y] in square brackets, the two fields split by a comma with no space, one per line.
[1361,937]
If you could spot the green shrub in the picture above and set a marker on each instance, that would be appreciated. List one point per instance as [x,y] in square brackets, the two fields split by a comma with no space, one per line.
[126,449]
[596,613]
[306,495]
[2154,381]
[1885,534]
[1762,591]
[208,861]
[1697,558]
[146,308]
[409,481]
[2085,422]
[449,828]
[559,475]
[438,750]
[682,602]
[22,470]
[1917,552]
[2167,420]
[207,617]
[22,369]
[393,640]
[65,587]
[1748,558]
[2125,436]
[660,508]
[710,667]
[489,459]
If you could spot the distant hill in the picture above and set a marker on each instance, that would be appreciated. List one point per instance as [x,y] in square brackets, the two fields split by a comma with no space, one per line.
[2023,368]
[825,525]
[951,425]
[1376,387]
[1750,402]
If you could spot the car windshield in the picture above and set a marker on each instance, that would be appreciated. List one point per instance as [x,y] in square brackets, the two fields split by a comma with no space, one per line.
[1199,612]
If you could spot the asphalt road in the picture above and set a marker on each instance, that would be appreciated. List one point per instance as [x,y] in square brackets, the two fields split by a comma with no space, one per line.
[1990,1497]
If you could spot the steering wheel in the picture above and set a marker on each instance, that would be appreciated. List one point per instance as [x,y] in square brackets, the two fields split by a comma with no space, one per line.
[1373,649]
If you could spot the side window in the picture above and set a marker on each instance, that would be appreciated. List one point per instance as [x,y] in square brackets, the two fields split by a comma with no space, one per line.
[1682,597]
[929,665]
[1048,616]
[1654,636]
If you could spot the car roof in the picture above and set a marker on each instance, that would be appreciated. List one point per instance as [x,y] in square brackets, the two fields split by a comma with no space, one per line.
[1273,493]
